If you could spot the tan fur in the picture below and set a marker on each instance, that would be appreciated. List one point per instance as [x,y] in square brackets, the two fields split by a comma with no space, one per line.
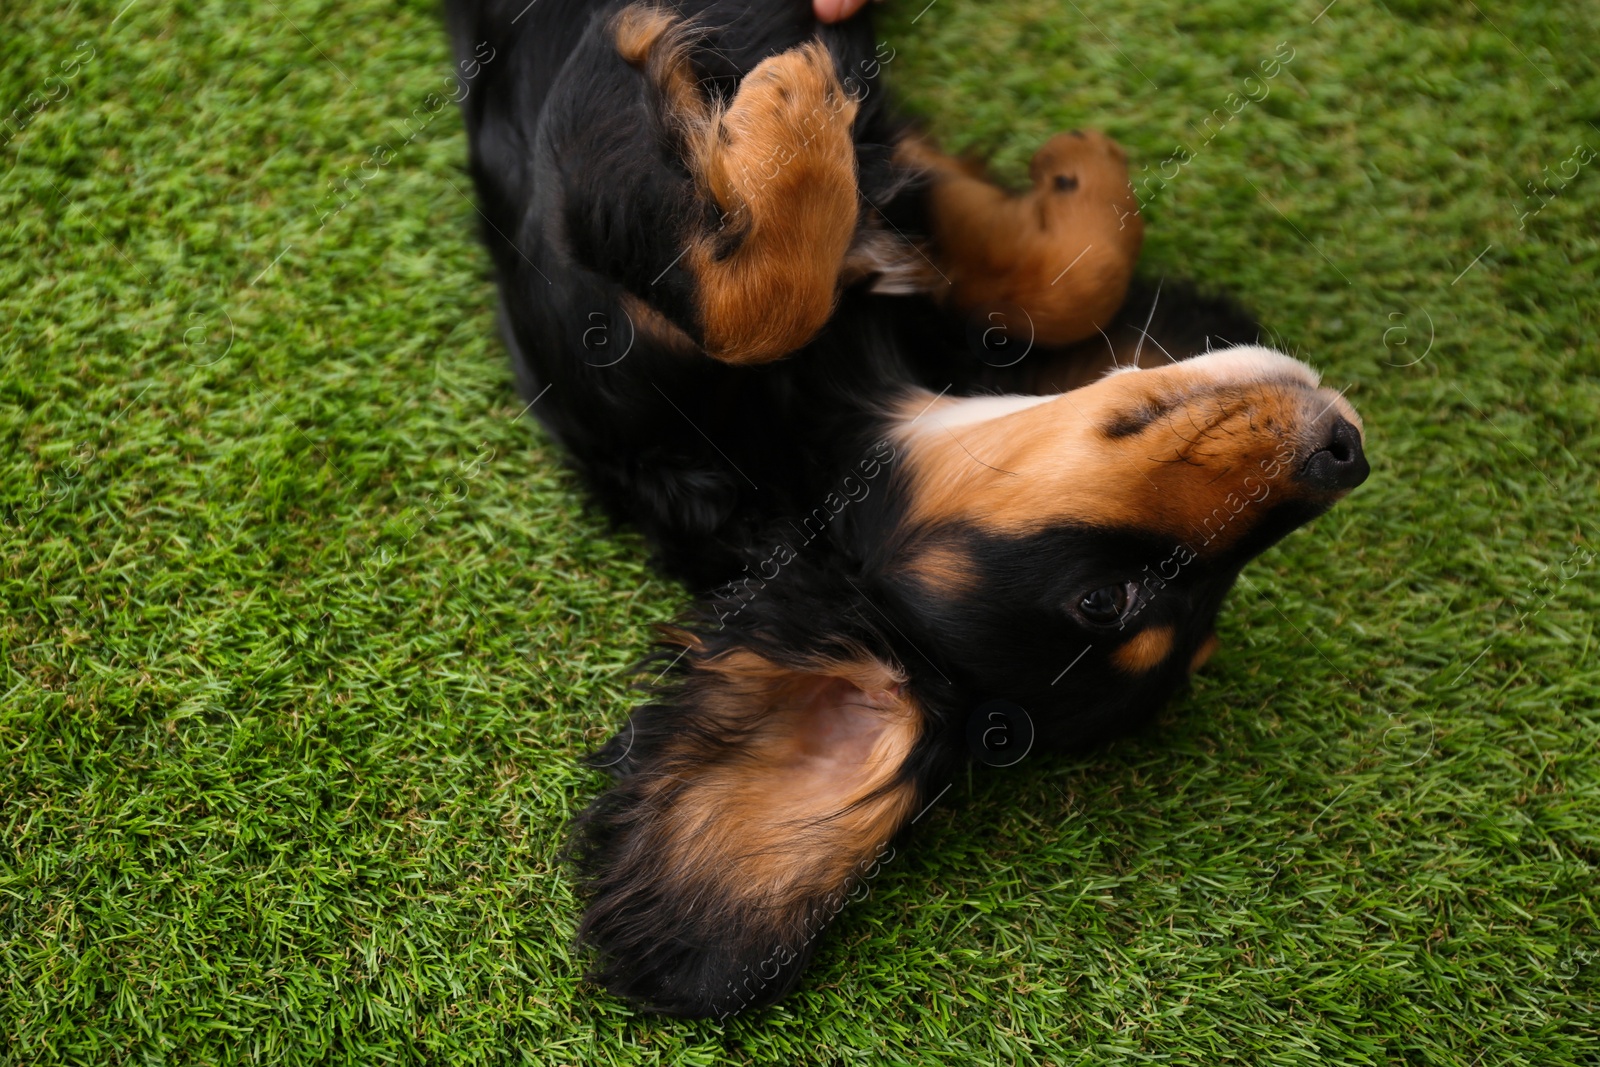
[1064,257]
[1202,473]
[656,327]
[787,177]
[779,161]
[656,41]
[1146,651]
[1203,654]
[945,570]
[636,30]
[803,799]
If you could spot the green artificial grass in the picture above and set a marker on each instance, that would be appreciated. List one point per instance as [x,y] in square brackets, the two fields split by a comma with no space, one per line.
[303,629]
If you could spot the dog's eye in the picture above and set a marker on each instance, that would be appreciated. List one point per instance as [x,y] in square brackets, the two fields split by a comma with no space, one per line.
[1109,605]
[1065,183]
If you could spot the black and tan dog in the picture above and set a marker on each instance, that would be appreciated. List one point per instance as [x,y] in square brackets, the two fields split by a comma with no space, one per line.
[780,333]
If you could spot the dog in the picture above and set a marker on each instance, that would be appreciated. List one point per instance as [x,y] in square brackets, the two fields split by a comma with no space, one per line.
[924,447]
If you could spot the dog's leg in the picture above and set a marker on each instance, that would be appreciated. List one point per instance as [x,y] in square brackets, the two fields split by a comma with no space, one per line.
[1059,256]
[775,169]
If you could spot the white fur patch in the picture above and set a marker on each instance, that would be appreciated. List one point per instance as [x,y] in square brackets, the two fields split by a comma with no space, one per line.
[1244,364]
[1240,365]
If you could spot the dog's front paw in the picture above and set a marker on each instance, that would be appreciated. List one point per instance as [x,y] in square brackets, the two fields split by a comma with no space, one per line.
[781,166]
[775,169]
[785,144]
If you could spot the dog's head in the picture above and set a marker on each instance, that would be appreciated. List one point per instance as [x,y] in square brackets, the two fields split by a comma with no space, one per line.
[1067,553]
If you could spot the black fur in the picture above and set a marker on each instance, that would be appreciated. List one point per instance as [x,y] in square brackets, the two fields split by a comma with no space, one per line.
[700,957]
[726,469]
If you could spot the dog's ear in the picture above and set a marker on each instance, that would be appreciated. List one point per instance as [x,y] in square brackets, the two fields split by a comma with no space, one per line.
[752,799]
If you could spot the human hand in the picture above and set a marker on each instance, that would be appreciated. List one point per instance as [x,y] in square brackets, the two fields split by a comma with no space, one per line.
[836,10]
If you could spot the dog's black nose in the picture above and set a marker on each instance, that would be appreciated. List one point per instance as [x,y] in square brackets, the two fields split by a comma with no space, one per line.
[1339,462]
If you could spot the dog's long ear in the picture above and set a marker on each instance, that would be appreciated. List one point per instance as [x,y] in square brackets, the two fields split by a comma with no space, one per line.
[751,800]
